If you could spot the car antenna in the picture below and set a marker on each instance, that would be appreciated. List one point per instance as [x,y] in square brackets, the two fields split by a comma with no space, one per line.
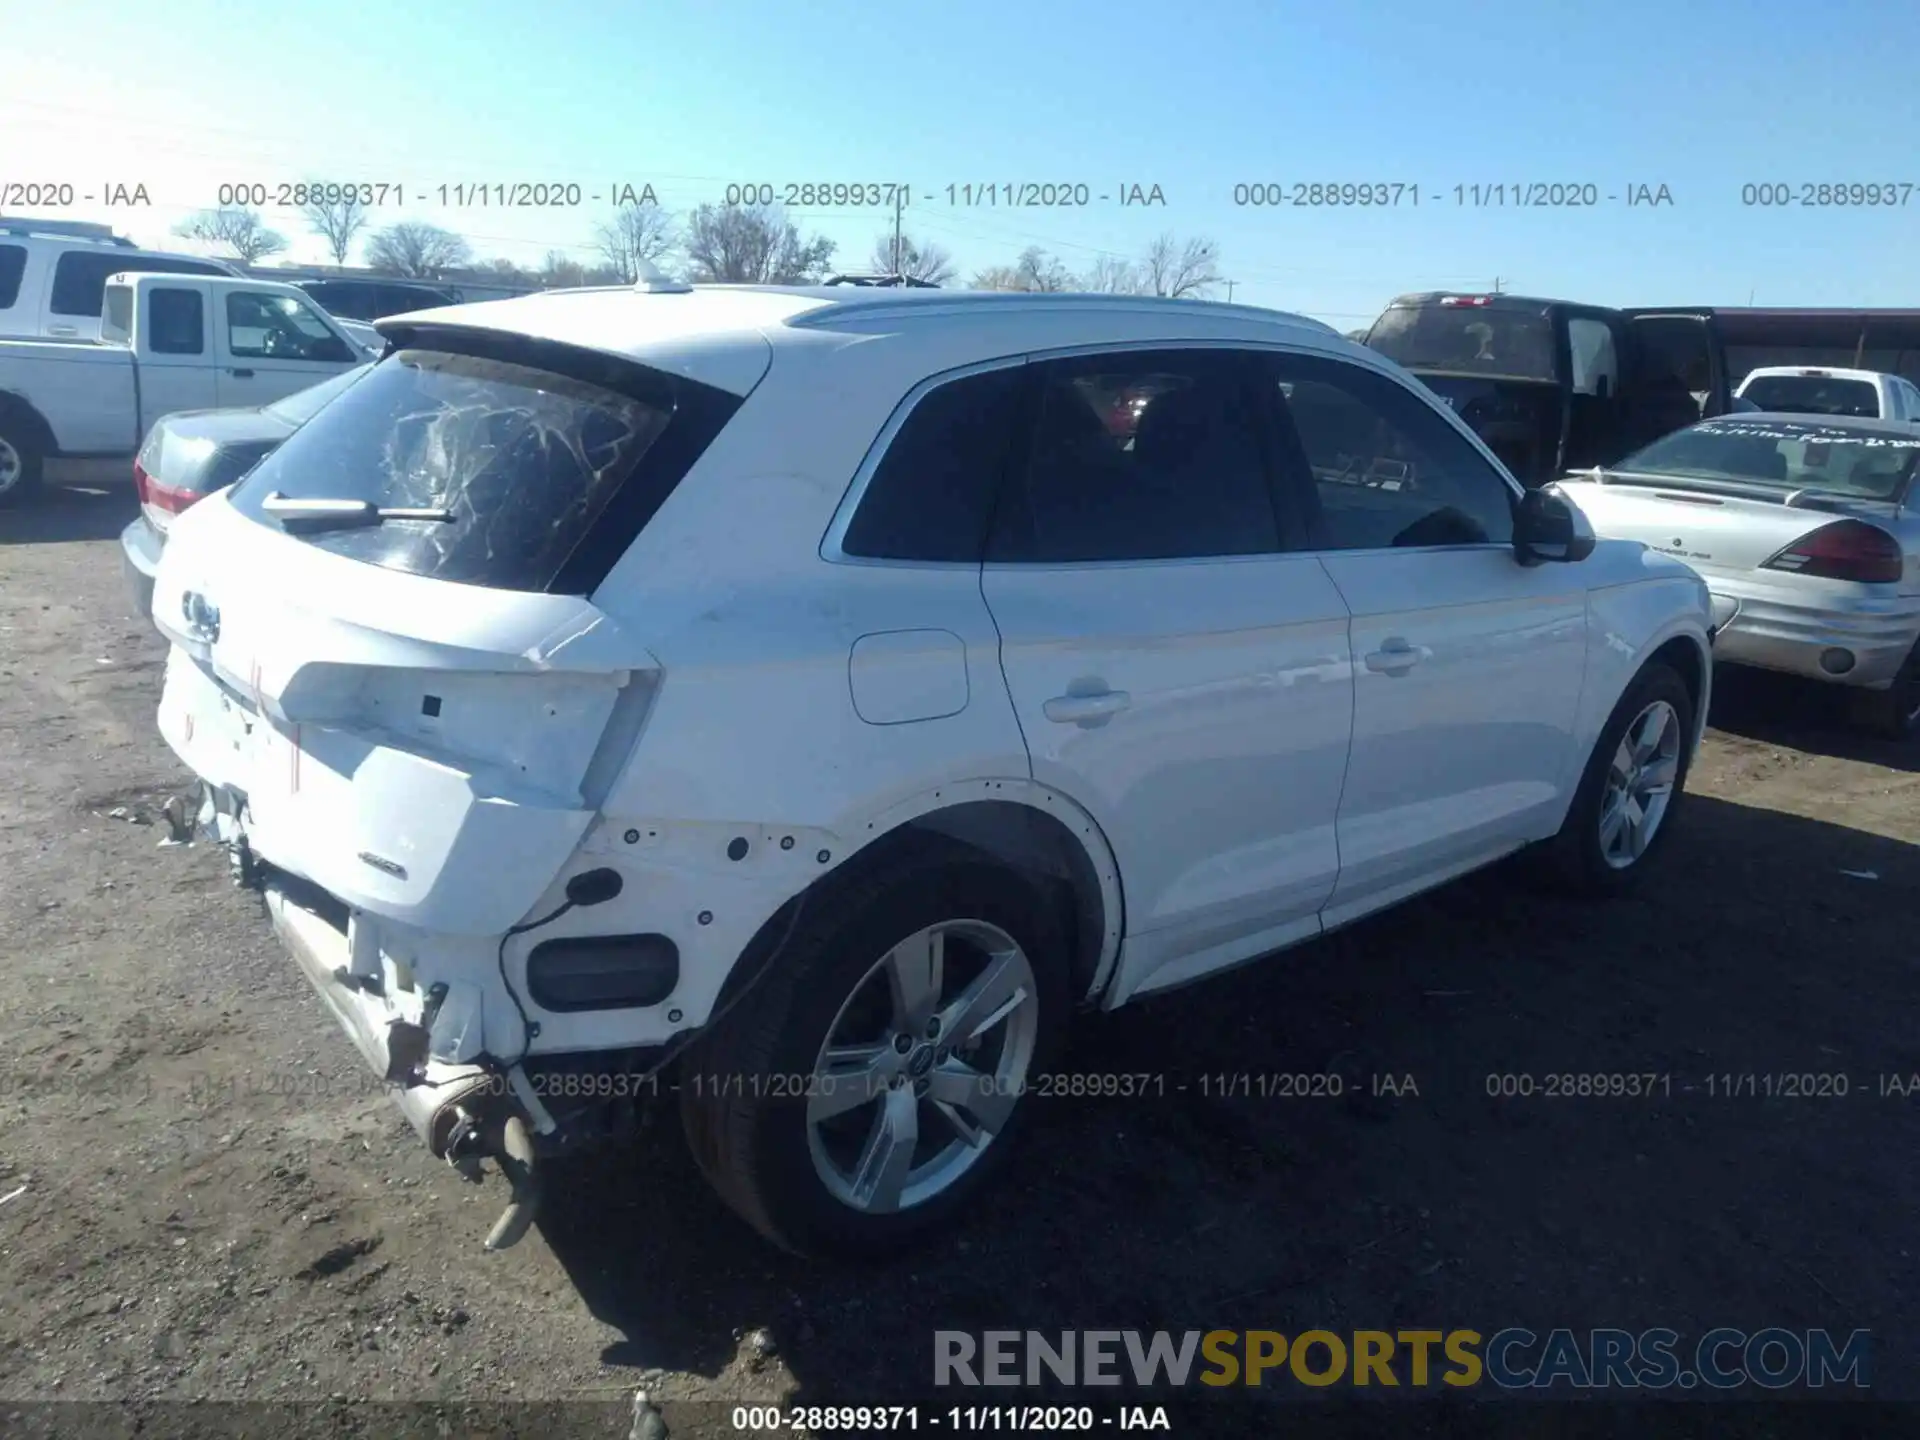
[649,279]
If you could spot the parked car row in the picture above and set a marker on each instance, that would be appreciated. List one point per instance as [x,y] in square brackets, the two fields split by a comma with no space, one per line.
[1142,638]
[166,342]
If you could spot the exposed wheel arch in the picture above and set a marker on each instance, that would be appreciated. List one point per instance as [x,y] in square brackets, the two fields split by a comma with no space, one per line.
[1035,832]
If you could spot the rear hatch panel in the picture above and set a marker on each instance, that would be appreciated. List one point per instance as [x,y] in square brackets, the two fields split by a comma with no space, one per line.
[415,747]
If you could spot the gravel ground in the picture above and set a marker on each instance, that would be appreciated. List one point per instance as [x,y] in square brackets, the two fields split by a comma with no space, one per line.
[217,1205]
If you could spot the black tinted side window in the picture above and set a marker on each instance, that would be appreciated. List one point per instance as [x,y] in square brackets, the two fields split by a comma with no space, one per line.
[13,264]
[1146,455]
[80,276]
[175,322]
[931,498]
[1386,470]
[80,281]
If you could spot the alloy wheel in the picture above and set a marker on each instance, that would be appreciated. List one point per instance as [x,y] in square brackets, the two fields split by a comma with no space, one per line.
[12,467]
[922,1066]
[1640,782]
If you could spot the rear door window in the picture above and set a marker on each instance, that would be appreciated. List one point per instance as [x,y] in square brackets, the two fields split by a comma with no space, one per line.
[548,461]
[1142,455]
[13,264]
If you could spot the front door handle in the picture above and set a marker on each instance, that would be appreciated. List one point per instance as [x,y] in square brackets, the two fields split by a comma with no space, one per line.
[1086,709]
[241,374]
[1396,657]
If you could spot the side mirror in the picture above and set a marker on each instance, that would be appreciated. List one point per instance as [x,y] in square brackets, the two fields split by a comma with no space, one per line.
[1549,527]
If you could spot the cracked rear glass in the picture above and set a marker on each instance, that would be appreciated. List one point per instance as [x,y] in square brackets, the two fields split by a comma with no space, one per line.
[524,460]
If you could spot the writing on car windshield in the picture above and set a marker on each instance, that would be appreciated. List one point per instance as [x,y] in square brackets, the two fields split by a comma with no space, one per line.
[1785,456]
[522,460]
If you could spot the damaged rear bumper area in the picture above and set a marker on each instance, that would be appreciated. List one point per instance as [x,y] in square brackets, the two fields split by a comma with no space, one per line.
[423,1040]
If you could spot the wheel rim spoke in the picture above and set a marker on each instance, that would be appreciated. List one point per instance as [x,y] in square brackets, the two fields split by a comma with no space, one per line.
[916,970]
[1638,830]
[848,1077]
[972,1103]
[1624,761]
[1611,820]
[887,1158]
[1653,730]
[1000,990]
[1658,776]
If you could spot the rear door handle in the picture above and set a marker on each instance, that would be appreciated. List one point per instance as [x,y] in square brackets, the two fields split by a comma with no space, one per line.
[1396,657]
[241,374]
[1086,709]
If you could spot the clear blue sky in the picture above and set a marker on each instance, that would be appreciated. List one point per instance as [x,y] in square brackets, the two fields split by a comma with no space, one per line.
[1698,95]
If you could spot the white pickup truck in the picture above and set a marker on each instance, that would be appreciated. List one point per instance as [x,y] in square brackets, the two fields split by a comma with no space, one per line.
[167,342]
[1824,390]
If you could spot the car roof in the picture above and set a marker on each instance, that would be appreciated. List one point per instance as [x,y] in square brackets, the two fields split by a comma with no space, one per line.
[1819,372]
[686,328]
[1490,300]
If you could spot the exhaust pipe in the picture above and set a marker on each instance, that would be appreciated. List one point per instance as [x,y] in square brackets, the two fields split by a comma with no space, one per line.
[518,1163]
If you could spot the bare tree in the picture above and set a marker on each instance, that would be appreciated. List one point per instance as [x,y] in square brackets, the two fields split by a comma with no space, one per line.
[508,271]
[416,250]
[637,234]
[560,271]
[1174,270]
[918,261]
[1035,270]
[238,230]
[753,244]
[1111,275]
[337,222]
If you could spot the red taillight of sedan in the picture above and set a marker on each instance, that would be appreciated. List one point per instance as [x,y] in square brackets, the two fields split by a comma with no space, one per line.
[1844,550]
[160,503]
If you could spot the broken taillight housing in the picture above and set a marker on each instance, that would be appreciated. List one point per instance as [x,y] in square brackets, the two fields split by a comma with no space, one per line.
[1844,550]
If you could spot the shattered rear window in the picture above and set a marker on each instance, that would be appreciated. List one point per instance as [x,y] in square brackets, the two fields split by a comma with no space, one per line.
[524,459]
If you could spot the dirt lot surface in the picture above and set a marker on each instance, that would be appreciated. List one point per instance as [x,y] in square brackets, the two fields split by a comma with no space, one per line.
[216,1204]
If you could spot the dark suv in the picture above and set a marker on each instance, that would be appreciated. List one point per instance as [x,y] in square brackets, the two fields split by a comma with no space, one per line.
[367,300]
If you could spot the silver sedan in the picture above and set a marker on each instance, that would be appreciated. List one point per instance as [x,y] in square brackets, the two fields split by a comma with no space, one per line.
[1803,528]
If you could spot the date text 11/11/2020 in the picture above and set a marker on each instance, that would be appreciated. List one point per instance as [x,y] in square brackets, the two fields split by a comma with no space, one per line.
[1407,194]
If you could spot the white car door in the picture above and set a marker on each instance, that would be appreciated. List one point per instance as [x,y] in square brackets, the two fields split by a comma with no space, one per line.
[178,368]
[273,344]
[1467,664]
[1175,670]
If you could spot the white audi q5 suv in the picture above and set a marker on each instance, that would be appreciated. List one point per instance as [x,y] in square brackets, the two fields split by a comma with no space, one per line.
[803,701]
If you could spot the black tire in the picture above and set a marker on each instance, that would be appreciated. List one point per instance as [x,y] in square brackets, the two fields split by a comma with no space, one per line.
[745,1123]
[1573,860]
[25,446]
[1895,711]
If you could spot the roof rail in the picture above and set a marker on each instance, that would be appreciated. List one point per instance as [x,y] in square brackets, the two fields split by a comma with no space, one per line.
[879,278]
[75,229]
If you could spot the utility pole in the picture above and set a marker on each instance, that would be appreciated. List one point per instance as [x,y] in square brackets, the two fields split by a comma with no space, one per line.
[1496,284]
[1230,285]
[899,197]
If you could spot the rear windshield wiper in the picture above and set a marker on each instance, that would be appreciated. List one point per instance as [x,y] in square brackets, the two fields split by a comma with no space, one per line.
[341,513]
